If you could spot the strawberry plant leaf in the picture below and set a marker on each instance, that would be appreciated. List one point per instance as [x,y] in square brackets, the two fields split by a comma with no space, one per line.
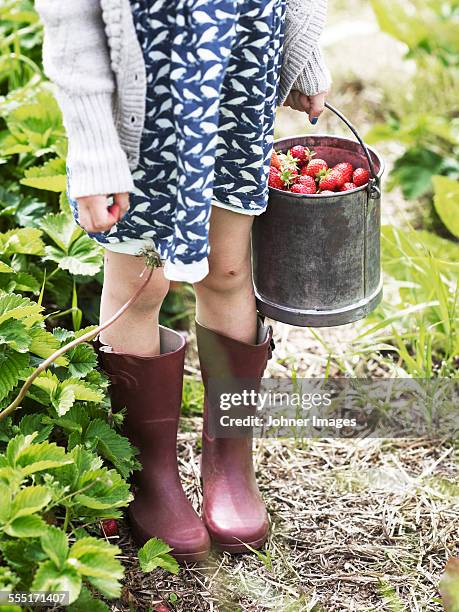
[30,500]
[12,365]
[29,458]
[87,602]
[49,177]
[446,201]
[14,334]
[54,543]
[44,344]
[5,269]
[62,229]
[111,445]
[155,553]
[81,360]
[49,578]
[26,527]
[62,399]
[25,241]
[83,391]
[13,306]
[95,559]
[5,502]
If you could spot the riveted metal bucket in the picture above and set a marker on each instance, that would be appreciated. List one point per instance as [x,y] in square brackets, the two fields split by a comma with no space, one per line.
[317,258]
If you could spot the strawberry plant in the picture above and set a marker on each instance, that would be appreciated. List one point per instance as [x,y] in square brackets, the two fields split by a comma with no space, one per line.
[424,120]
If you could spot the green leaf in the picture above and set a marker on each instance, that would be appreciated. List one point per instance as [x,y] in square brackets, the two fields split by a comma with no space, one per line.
[74,250]
[26,527]
[87,602]
[50,578]
[95,559]
[30,500]
[414,171]
[44,344]
[82,360]
[29,458]
[5,269]
[50,177]
[14,334]
[83,391]
[5,502]
[25,241]
[62,399]
[13,306]
[155,553]
[446,202]
[54,543]
[111,445]
[12,365]
[62,229]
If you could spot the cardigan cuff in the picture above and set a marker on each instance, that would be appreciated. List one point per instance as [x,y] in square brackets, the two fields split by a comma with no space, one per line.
[97,164]
[315,77]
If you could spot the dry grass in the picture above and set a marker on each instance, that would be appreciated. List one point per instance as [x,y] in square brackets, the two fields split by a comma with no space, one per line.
[355,525]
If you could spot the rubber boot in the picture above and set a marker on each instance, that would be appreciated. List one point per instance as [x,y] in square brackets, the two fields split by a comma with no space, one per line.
[233,509]
[151,389]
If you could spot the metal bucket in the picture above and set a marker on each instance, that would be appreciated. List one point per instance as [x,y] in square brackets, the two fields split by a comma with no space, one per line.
[316,259]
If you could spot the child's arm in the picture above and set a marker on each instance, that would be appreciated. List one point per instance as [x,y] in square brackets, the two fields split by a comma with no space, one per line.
[303,67]
[77,59]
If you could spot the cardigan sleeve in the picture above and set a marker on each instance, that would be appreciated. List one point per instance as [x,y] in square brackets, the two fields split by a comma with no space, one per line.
[303,66]
[77,59]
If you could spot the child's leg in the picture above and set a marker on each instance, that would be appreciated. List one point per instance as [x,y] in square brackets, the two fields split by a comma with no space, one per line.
[225,298]
[136,332]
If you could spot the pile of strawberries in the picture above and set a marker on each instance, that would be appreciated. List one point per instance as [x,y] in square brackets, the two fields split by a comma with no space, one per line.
[298,171]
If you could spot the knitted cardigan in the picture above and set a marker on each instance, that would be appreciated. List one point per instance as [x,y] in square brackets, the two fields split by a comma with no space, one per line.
[92,55]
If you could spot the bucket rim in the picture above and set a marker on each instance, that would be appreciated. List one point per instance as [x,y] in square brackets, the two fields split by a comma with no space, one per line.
[318,196]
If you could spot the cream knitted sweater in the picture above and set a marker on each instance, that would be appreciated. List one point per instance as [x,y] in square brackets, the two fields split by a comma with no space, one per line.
[92,54]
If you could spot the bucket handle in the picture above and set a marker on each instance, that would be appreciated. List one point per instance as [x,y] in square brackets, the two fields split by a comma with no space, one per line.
[373,184]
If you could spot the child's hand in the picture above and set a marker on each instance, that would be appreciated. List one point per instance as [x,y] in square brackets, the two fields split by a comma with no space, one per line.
[313,105]
[95,214]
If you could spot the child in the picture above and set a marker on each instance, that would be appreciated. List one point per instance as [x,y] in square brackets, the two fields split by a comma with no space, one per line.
[169,107]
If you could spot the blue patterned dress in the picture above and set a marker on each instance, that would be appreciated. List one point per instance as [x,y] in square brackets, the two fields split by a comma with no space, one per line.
[212,75]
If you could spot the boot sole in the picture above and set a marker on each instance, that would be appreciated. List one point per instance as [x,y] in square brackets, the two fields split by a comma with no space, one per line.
[239,548]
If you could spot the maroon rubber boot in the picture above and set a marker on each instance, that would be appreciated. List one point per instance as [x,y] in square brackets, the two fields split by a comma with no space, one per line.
[151,389]
[233,510]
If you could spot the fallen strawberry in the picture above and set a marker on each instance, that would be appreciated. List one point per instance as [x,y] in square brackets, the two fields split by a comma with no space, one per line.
[162,608]
[275,179]
[360,177]
[314,167]
[110,527]
[275,161]
[347,187]
[302,154]
[345,169]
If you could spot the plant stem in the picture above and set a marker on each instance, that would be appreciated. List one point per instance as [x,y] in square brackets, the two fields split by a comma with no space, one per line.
[85,338]
[66,519]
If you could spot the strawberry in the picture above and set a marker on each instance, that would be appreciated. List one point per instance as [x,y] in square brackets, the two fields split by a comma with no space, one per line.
[289,176]
[328,180]
[110,527]
[275,160]
[305,185]
[346,170]
[302,154]
[360,177]
[314,167]
[162,608]
[347,187]
[327,192]
[275,179]
[304,179]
